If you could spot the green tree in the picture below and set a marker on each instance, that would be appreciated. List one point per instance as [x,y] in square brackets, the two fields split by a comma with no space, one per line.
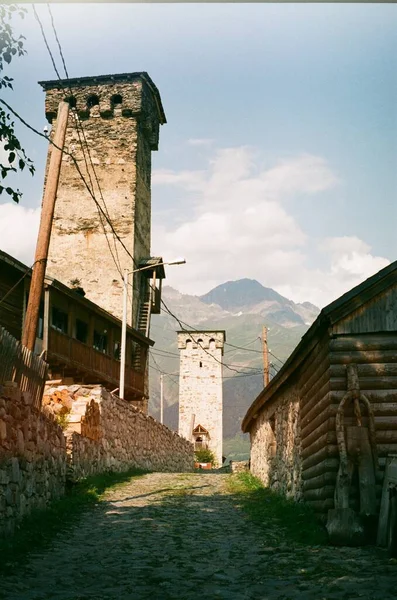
[10,46]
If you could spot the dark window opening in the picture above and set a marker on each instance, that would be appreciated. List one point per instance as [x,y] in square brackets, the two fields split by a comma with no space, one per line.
[100,341]
[199,341]
[117,350]
[81,331]
[92,100]
[201,364]
[71,100]
[59,319]
[116,99]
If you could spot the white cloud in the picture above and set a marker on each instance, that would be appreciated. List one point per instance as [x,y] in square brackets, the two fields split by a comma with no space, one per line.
[18,231]
[241,227]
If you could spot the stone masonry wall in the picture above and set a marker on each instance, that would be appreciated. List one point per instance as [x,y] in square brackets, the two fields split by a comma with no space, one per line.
[120,138]
[275,445]
[200,386]
[32,458]
[106,433]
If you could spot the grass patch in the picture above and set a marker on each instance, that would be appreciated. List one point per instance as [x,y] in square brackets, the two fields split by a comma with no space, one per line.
[283,519]
[39,528]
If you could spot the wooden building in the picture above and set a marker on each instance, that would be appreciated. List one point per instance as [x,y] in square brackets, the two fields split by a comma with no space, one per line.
[79,340]
[293,421]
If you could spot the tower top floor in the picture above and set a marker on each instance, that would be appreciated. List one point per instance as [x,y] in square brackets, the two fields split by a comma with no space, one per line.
[107,96]
[205,339]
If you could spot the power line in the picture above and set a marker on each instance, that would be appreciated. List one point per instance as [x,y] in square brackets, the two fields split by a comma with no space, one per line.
[22,120]
[79,125]
[182,323]
[19,280]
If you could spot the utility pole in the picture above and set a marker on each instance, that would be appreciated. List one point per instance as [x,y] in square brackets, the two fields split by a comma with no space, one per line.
[43,239]
[161,397]
[265,357]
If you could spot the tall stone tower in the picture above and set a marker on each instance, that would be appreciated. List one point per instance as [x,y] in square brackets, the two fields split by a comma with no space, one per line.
[120,116]
[200,389]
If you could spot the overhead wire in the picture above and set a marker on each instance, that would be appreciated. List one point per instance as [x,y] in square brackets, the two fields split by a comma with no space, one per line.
[79,128]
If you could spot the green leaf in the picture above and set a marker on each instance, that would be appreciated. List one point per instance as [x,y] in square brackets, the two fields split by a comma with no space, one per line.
[11,157]
[7,57]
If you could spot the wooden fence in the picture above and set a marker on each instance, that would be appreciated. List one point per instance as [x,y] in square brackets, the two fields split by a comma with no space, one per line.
[19,364]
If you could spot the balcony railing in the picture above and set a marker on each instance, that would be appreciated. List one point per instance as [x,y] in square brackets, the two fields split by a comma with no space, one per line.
[80,356]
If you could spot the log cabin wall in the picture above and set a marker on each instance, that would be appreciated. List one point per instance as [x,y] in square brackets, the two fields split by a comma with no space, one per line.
[275,443]
[368,338]
[319,460]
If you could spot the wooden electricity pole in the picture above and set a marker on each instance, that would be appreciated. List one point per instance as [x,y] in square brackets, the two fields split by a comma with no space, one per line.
[266,378]
[43,239]
[161,398]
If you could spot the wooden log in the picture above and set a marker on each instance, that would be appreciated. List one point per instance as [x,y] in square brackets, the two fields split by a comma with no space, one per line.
[309,425]
[363,357]
[328,451]
[313,368]
[323,440]
[372,395]
[363,343]
[328,425]
[386,436]
[321,506]
[310,409]
[327,478]
[308,391]
[322,493]
[378,369]
[325,466]
[367,383]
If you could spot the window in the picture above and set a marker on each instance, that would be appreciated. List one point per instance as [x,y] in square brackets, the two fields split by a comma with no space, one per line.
[92,100]
[71,100]
[212,344]
[188,344]
[101,341]
[59,319]
[81,331]
[116,99]
[201,364]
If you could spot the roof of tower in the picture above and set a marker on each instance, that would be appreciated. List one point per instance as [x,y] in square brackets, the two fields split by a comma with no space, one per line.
[108,79]
[203,331]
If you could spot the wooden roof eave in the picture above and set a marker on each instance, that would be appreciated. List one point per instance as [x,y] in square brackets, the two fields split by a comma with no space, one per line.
[309,341]
[92,307]
[329,316]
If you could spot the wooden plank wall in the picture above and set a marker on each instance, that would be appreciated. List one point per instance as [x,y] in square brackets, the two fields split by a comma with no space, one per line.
[319,461]
[11,308]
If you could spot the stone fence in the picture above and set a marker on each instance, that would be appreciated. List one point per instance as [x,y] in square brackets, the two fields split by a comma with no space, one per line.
[80,431]
[32,457]
[105,433]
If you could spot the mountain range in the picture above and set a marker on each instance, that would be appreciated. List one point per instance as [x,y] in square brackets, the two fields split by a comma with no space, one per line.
[241,308]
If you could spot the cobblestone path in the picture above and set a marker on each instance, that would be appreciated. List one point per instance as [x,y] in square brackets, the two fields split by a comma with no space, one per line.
[180,536]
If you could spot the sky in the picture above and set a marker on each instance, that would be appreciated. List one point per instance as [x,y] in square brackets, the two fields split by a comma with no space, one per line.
[278,159]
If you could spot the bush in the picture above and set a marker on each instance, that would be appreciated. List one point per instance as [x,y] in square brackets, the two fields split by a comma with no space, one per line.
[205,455]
